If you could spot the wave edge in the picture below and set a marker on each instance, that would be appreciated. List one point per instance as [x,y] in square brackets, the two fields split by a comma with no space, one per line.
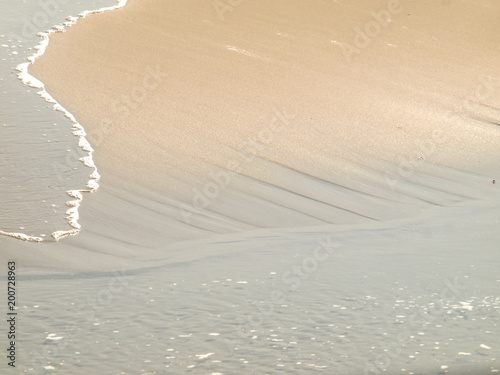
[72,214]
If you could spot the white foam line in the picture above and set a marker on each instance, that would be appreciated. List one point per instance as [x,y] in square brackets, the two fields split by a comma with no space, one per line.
[22,236]
[29,80]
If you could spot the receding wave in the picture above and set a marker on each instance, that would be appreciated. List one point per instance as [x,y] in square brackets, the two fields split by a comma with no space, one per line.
[92,185]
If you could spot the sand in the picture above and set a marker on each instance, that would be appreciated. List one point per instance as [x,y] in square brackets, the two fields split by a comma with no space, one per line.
[246,122]
[231,144]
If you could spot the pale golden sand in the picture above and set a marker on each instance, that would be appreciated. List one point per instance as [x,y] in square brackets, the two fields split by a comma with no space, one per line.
[375,175]
[220,83]
[265,119]
[357,234]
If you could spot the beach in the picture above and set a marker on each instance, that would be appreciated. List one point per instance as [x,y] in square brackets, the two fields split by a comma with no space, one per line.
[285,186]
[210,143]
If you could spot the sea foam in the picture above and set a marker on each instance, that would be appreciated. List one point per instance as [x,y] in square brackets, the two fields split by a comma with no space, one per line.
[72,214]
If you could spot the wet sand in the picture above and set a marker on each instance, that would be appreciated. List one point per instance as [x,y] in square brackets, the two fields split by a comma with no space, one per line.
[220,126]
[272,149]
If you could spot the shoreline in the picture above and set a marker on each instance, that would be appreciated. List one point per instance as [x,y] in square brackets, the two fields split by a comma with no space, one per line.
[78,130]
[265,204]
[369,139]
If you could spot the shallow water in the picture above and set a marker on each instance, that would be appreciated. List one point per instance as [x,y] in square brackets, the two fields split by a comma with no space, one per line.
[407,300]
[40,155]
[406,280]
